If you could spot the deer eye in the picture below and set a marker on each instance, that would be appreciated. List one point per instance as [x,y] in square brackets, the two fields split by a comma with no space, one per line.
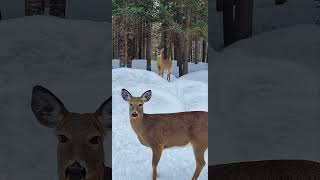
[63,138]
[131,104]
[140,105]
[95,140]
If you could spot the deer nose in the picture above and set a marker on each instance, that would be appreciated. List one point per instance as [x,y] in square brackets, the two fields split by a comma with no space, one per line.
[134,114]
[75,172]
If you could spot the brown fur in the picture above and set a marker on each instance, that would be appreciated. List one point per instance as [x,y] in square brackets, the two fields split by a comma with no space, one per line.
[162,131]
[76,133]
[163,65]
[266,170]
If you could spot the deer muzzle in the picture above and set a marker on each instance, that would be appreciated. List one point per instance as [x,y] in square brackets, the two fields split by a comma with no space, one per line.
[134,114]
[75,172]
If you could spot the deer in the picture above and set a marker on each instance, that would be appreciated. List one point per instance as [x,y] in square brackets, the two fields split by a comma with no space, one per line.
[163,64]
[163,131]
[266,170]
[80,152]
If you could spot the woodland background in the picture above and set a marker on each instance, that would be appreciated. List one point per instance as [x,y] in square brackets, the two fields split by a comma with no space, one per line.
[178,26]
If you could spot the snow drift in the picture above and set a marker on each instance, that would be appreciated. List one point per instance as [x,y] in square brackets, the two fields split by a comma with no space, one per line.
[265,98]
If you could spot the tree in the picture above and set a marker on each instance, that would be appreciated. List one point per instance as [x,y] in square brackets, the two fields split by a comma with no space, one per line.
[178,26]
[122,41]
[228,22]
[186,56]
[243,19]
[219,5]
[148,45]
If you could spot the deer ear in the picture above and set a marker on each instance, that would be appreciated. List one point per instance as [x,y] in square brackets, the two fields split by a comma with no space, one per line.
[146,96]
[126,95]
[104,114]
[47,108]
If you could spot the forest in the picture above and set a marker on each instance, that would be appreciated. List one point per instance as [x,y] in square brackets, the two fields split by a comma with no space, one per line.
[179,27]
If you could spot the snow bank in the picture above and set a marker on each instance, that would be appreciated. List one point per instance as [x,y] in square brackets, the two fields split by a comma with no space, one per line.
[265,98]
[66,56]
[299,44]
[179,95]
[141,64]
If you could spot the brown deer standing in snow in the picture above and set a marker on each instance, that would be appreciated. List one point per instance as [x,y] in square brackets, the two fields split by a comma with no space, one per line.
[162,131]
[266,170]
[164,64]
[80,151]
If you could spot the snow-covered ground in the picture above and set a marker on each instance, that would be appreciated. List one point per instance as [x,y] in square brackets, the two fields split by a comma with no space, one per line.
[68,57]
[131,160]
[141,64]
[264,97]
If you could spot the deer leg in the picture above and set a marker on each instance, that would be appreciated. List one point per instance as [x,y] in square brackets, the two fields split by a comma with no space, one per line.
[198,150]
[156,155]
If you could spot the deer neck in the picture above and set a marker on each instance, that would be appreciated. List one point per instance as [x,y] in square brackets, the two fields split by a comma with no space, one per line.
[137,123]
[159,57]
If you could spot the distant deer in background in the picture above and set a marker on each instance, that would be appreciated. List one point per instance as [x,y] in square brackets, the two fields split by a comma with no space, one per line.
[162,131]
[266,170]
[80,151]
[164,64]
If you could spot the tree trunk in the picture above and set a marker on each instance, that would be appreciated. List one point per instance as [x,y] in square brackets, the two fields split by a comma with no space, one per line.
[148,43]
[165,41]
[228,22]
[244,19]
[279,2]
[186,57]
[115,38]
[140,38]
[130,46]
[181,54]
[219,5]
[204,51]
[176,47]
[122,41]
[196,51]
[143,53]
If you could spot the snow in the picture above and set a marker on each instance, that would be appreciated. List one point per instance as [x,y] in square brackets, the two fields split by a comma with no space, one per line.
[141,64]
[264,94]
[69,58]
[131,160]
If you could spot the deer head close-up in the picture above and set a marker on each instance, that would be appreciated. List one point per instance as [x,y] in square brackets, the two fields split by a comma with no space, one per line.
[80,152]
